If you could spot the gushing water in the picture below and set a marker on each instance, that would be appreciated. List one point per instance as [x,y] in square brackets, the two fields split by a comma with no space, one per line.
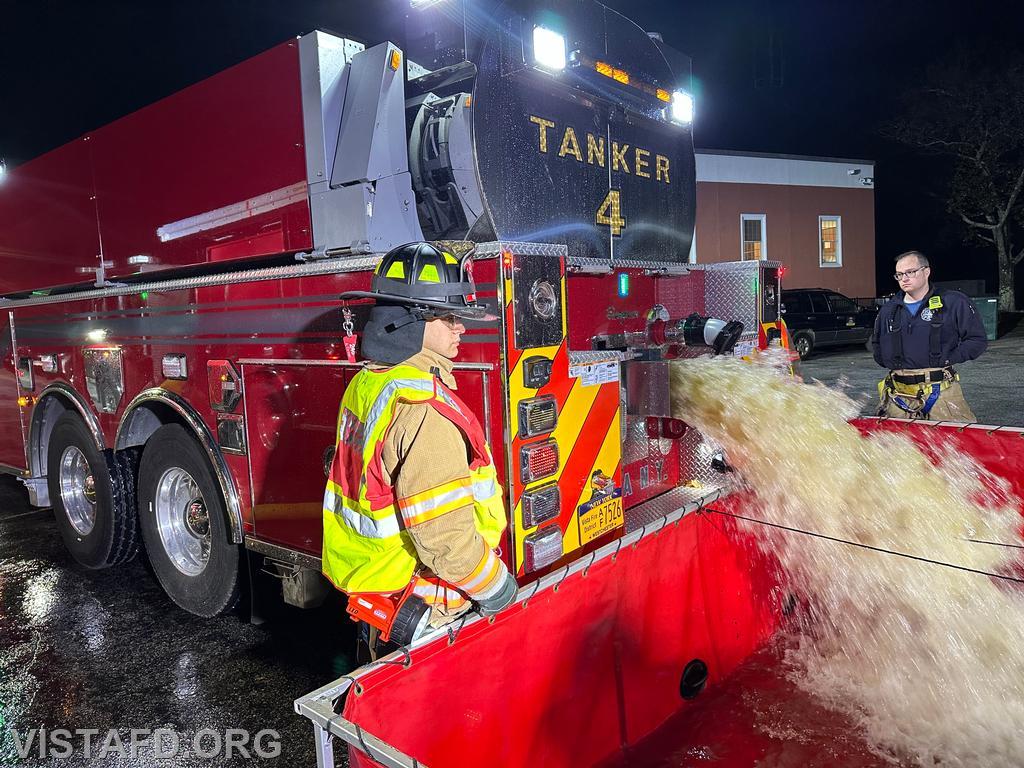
[929,659]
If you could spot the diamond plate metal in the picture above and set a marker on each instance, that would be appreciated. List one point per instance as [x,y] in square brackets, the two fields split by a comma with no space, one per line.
[730,292]
[590,357]
[678,500]
[524,249]
[655,266]
[637,445]
[697,452]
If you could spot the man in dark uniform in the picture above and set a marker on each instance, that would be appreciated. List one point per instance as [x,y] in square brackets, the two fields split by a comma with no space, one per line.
[920,334]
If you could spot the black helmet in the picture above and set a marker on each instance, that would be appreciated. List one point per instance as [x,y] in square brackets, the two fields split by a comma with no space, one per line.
[421,275]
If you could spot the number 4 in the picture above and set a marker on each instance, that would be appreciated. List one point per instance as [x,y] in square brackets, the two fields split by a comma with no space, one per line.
[610,212]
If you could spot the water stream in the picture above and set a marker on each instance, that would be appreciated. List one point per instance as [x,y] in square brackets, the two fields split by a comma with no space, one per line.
[925,659]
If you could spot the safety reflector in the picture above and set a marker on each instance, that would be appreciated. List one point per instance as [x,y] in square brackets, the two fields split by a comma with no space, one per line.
[538,460]
[537,416]
[541,504]
[542,547]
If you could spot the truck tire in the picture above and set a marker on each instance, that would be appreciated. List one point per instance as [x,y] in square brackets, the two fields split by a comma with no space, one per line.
[93,496]
[184,525]
[804,345]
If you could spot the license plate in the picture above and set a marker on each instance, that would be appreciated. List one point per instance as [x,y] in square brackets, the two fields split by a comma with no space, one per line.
[597,518]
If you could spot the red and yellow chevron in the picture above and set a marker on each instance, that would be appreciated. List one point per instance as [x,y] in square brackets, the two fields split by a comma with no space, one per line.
[587,434]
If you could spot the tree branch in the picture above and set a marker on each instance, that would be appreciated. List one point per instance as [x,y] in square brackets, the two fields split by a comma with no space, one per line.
[1005,213]
[978,224]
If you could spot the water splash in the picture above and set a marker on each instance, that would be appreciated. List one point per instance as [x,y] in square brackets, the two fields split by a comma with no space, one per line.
[928,659]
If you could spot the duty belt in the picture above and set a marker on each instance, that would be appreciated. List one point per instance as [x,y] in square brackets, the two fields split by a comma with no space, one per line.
[935,375]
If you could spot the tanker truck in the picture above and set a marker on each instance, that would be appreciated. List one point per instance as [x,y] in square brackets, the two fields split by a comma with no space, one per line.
[171,360]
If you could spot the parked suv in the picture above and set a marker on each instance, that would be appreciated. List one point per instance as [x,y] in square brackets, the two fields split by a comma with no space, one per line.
[817,318]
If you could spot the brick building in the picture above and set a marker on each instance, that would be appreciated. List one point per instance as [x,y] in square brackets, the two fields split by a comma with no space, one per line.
[814,214]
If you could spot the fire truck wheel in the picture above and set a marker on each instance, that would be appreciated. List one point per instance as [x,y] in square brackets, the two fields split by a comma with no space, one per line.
[93,496]
[184,524]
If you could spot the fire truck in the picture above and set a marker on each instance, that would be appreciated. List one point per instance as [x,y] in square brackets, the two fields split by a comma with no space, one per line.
[172,355]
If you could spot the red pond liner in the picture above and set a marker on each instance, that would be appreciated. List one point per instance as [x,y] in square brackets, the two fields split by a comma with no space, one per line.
[588,674]
[572,677]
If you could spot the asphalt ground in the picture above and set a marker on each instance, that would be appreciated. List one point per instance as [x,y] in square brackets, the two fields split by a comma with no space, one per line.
[107,649]
[992,384]
[103,650]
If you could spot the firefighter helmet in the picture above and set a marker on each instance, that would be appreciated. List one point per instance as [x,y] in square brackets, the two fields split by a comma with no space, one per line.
[423,276]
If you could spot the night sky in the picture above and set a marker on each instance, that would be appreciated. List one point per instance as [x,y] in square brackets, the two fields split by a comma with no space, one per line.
[791,76]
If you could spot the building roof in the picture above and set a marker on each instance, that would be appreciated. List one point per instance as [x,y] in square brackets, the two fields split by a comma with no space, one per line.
[722,166]
[738,153]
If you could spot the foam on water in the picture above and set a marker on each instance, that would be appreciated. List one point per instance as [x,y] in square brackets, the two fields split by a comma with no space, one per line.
[927,658]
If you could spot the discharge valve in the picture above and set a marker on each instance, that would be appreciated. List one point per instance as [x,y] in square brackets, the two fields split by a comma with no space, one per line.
[698,331]
[694,331]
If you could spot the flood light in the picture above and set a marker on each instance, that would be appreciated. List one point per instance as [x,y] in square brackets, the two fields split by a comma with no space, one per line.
[682,107]
[548,49]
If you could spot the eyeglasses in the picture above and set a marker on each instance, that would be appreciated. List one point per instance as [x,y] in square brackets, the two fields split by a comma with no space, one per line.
[908,273]
[450,320]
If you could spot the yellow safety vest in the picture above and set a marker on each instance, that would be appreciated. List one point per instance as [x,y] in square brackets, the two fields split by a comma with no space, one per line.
[366,547]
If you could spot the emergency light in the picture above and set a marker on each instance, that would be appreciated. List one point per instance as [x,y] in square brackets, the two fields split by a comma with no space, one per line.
[538,460]
[542,547]
[174,366]
[541,504]
[537,416]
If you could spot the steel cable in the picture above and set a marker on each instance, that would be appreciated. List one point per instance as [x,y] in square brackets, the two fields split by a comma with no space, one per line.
[907,555]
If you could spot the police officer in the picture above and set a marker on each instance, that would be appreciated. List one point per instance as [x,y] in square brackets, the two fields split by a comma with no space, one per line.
[920,334]
[413,510]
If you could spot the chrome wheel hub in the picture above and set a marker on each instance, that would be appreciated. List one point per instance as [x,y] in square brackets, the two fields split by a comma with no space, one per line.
[183,521]
[77,490]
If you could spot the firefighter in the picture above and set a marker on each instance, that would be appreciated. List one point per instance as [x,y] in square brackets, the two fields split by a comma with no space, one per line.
[920,334]
[413,510]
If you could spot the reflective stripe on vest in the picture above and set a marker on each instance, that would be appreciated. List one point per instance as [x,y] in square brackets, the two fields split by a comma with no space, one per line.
[366,547]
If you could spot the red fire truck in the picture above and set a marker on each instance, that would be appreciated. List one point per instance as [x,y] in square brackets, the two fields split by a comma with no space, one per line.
[171,350]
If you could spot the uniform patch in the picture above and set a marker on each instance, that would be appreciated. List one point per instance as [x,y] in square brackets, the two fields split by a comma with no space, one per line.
[935,302]
[926,315]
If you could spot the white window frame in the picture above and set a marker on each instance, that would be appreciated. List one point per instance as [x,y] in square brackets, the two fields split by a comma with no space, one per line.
[763,218]
[839,242]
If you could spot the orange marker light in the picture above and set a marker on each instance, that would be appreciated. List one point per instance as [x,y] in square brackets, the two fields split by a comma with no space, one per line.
[664,95]
[620,76]
[604,69]
[396,59]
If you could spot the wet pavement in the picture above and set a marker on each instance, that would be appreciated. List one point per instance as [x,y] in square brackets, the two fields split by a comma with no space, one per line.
[990,383]
[104,650]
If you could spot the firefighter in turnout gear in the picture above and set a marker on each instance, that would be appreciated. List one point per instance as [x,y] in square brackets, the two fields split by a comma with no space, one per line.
[920,334]
[413,510]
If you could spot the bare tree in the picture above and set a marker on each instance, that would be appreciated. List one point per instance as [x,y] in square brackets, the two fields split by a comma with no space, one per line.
[969,114]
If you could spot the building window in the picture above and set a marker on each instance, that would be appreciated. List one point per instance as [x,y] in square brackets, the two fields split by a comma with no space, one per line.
[753,237]
[830,241]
